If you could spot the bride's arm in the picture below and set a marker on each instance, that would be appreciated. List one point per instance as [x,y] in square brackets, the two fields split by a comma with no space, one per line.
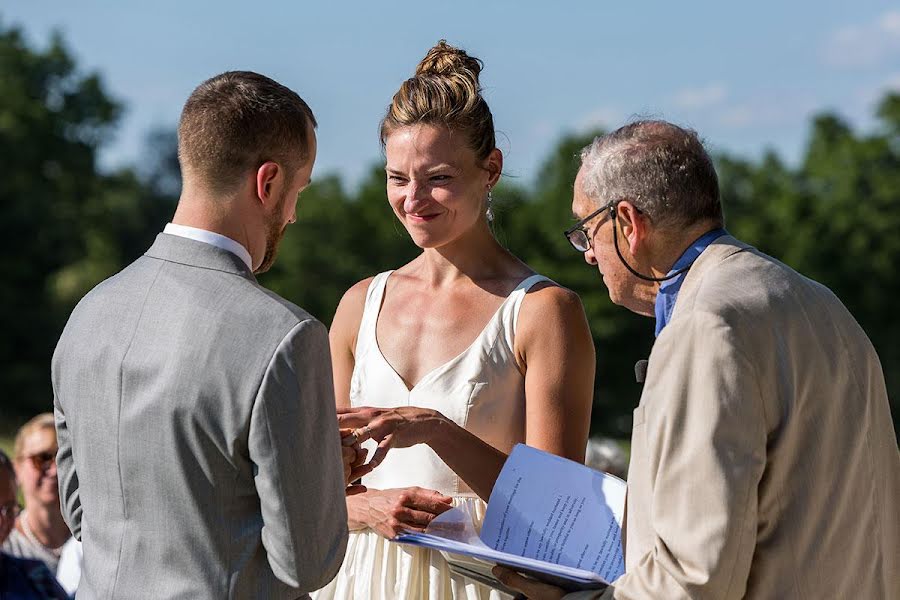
[342,339]
[554,345]
[386,511]
[555,350]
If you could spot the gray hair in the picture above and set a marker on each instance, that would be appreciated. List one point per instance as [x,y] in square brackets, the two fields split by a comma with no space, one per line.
[661,168]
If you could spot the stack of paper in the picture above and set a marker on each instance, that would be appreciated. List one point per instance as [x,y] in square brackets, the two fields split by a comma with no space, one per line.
[550,517]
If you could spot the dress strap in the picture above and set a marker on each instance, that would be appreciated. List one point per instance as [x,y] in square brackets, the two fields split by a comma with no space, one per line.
[508,316]
[518,295]
[365,338]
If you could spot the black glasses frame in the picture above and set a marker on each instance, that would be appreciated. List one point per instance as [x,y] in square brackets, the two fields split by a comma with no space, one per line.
[578,228]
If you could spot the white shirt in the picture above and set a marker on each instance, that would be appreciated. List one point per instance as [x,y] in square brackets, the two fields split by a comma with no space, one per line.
[213,239]
[68,573]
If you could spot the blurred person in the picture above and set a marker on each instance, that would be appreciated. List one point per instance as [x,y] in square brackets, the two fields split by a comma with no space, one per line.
[605,454]
[40,531]
[455,357]
[20,578]
[764,462]
[199,452]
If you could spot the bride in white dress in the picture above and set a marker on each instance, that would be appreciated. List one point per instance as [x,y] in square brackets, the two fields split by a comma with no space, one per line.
[453,358]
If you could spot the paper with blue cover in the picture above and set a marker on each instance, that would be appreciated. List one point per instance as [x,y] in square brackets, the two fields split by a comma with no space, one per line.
[554,519]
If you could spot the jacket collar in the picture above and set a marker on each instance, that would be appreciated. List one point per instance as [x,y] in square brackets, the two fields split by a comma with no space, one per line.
[184,251]
[717,252]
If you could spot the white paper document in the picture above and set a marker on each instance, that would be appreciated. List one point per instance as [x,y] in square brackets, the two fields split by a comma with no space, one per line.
[553,518]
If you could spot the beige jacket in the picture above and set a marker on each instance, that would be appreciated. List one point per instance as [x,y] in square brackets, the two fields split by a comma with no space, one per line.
[763,459]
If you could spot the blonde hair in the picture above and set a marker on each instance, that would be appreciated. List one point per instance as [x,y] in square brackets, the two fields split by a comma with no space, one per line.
[42,421]
[445,90]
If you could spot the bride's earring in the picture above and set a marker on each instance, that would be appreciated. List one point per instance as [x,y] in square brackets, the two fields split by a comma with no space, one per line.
[489,213]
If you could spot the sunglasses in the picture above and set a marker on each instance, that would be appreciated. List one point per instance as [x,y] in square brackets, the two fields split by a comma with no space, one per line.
[42,460]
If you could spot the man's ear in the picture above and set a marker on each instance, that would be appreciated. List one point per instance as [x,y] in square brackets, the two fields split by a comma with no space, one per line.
[633,224]
[269,177]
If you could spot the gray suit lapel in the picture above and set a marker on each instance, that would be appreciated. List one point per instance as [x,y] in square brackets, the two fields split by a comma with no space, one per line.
[184,251]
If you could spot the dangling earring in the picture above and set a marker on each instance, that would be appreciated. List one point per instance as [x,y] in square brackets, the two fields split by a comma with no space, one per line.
[489,213]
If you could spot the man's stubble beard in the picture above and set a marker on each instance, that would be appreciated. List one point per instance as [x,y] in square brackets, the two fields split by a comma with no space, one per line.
[274,233]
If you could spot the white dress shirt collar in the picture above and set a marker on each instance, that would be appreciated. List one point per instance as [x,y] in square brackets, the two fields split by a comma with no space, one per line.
[213,239]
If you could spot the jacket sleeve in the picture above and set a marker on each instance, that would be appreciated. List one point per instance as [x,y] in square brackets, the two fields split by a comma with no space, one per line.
[66,475]
[705,448]
[294,444]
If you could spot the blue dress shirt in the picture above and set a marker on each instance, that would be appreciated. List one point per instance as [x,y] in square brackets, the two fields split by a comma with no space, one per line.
[668,290]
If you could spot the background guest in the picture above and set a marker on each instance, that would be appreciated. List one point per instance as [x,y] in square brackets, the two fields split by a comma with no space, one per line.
[40,530]
[20,578]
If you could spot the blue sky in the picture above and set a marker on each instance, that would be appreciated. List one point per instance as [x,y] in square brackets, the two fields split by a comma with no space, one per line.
[747,75]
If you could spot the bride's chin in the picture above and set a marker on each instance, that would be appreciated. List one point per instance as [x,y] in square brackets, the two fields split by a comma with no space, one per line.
[425,241]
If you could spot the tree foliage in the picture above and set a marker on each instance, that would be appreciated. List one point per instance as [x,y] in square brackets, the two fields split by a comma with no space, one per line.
[65,225]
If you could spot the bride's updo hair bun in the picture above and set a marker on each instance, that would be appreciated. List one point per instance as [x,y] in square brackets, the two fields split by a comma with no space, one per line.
[444,59]
[445,90]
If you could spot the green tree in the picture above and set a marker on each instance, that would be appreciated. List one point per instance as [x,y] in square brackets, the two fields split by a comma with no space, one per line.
[64,226]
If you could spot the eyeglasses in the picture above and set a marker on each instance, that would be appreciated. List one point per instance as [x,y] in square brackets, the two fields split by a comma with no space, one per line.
[578,235]
[42,460]
[10,511]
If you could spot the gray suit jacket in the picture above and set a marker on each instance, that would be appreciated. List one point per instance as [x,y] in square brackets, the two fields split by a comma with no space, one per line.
[199,455]
[763,458]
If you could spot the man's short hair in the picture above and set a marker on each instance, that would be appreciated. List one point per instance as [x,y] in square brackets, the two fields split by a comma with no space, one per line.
[236,121]
[661,168]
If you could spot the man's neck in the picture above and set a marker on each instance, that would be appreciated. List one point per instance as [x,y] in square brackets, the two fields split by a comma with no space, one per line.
[217,217]
[671,248]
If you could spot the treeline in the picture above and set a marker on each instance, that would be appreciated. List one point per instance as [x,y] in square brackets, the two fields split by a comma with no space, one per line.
[65,225]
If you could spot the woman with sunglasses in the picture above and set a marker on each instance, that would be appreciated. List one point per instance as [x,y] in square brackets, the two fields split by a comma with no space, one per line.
[40,531]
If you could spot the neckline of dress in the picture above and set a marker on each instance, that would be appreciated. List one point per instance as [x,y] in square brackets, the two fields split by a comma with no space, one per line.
[444,366]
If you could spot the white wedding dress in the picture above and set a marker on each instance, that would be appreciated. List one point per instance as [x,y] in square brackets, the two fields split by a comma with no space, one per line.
[482,390]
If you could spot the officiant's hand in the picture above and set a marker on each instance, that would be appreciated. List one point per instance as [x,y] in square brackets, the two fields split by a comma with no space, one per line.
[531,589]
[399,427]
[392,512]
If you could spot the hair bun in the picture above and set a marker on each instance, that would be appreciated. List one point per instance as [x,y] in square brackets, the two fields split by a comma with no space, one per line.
[446,60]
[445,91]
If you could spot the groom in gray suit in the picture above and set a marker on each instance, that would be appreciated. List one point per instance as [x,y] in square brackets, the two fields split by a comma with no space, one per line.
[199,453]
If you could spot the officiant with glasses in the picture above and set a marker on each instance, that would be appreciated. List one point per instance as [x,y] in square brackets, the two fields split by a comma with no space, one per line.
[763,459]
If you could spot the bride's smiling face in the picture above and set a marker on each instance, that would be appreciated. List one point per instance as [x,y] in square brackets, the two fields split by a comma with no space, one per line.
[435,184]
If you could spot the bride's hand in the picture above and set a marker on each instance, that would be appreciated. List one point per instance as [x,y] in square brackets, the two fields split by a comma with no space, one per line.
[395,511]
[399,427]
[353,458]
